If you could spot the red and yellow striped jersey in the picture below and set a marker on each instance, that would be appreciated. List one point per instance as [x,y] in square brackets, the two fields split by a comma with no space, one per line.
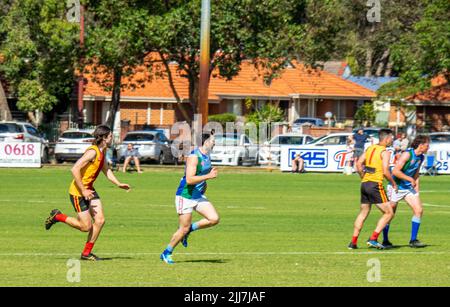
[374,164]
[89,173]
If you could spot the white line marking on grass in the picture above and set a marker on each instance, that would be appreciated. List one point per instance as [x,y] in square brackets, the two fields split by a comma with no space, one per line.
[433,191]
[233,254]
[438,206]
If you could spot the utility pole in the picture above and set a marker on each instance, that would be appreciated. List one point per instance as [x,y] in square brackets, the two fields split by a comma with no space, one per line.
[81,77]
[75,14]
[204,60]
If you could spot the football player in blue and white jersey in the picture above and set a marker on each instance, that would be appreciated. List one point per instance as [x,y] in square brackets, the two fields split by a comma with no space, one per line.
[406,175]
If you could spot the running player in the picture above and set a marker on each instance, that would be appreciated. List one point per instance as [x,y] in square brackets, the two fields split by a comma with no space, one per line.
[406,174]
[83,196]
[376,161]
[190,196]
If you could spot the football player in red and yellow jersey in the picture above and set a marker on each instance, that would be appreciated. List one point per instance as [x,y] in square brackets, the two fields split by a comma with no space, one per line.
[83,196]
[373,167]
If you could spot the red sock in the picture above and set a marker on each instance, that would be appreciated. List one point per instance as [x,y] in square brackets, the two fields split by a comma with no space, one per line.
[355,240]
[374,236]
[61,217]
[88,248]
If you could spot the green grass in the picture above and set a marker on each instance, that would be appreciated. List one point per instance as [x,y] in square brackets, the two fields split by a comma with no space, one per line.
[275,230]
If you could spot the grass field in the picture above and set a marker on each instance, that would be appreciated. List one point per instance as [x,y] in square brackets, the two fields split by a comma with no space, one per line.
[275,230]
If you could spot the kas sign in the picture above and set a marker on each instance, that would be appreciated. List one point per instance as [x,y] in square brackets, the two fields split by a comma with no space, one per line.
[20,154]
[317,159]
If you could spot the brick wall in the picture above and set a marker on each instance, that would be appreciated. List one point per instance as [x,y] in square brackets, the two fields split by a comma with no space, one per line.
[136,113]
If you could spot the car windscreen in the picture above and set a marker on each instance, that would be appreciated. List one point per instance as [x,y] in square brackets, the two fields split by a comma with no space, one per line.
[290,140]
[440,138]
[304,121]
[10,128]
[318,140]
[226,140]
[139,137]
[76,135]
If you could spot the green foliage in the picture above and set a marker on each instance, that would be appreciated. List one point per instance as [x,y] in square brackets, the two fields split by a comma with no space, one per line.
[424,52]
[223,118]
[32,96]
[39,49]
[366,114]
[269,113]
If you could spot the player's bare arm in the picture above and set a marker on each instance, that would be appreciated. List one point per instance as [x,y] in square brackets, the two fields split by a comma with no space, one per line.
[191,168]
[360,165]
[88,156]
[386,158]
[111,177]
[397,172]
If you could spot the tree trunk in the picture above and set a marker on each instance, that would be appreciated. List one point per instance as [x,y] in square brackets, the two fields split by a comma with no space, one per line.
[388,71]
[36,117]
[383,63]
[369,57]
[5,113]
[193,93]
[115,99]
[175,92]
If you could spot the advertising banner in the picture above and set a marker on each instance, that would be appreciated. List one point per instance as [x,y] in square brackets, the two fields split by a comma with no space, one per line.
[20,154]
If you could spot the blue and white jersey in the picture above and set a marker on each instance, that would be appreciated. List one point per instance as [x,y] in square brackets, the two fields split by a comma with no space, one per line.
[203,168]
[410,169]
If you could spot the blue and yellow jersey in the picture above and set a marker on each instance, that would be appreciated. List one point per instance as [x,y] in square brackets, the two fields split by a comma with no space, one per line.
[203,168]
[89,173]
[409,169]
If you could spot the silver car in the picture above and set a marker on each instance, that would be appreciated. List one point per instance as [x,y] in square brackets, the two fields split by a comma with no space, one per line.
[152,145]
[24,132]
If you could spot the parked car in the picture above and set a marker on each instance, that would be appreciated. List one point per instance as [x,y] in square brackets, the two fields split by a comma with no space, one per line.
[72,144]
[440,137]
[234,149]
[332,139]
[270,152]
[299,122]
[152,145]
[24,132]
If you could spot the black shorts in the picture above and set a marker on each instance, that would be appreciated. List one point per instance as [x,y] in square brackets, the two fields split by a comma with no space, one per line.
[80,204]
[373,193]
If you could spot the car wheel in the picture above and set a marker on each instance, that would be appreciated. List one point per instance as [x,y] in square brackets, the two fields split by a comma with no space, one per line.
[44,158]
[161,159]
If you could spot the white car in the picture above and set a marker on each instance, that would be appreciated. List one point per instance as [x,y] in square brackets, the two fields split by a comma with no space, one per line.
[270,152]
[440,138]
[234,149]
[24,132]
[72,144]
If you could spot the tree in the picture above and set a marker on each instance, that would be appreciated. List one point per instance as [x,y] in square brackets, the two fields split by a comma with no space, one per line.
[366,114]
[38,47]
[367,43]
[117,43]
[267,32]
[423,53]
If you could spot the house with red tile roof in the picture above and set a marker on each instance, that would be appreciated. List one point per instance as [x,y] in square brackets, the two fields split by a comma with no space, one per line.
[298,90]
[432,106]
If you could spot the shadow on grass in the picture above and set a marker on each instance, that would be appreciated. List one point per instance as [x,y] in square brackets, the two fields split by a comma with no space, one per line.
[205,261]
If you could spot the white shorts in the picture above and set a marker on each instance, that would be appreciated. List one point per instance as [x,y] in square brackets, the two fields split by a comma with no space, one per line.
[400,194]
[186,205]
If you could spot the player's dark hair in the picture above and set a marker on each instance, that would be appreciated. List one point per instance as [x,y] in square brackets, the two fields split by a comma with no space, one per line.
[100,133]
[384,133]
[206,136]
[420,139]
